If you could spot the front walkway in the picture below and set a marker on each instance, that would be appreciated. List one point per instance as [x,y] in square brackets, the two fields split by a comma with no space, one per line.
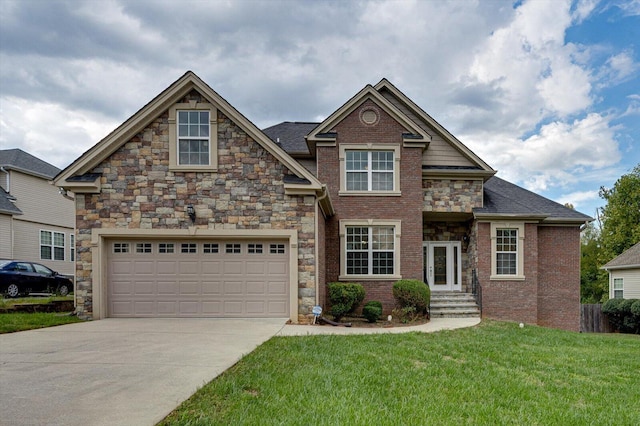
[436,324]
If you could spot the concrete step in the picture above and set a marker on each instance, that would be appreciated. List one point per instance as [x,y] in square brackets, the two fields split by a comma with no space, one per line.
[453,305]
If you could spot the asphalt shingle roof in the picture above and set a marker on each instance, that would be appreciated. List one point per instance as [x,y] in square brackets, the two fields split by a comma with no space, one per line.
[629,257]
[17,159]
[290,135]
[6,206]
[502,197]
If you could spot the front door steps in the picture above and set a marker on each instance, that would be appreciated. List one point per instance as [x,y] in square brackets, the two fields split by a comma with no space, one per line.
[453,304]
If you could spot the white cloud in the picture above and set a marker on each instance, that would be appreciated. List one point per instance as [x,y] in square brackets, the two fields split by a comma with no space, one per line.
[579,198]
[56,135]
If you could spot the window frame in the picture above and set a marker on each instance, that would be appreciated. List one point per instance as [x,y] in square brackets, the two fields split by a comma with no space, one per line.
[369,148]
[53,245]
[370,224]
[614,289]
[174,163]
[520,235]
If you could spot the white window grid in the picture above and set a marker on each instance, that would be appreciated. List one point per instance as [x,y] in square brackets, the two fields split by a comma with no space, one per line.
[193,137]
[369,170]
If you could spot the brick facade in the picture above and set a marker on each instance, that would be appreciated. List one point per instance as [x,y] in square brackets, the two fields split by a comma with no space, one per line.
[550,293]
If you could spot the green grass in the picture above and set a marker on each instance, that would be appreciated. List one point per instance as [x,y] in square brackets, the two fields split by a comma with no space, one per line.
[20,321]
[495,373]
[6,303]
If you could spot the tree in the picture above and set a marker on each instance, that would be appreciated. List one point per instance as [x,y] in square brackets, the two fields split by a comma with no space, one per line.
[621,215]
[593,280]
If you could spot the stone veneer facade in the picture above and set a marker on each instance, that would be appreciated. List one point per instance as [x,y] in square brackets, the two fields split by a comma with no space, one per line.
[247,192]
[452,195]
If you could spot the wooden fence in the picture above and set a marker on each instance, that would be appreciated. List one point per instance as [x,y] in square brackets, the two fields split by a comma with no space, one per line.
[592,320]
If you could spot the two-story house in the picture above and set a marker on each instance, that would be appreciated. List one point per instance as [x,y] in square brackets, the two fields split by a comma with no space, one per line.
[188,209]
[36,222]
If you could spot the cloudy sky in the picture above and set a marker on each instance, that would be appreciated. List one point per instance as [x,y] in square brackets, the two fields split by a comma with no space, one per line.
[545,91]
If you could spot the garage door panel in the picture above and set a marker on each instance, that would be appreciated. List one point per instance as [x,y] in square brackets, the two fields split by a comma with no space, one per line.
[212,279]
[255,268]
[279,267]
[277,287]
[190,288]
[121,287]
[276,308]
[255,287]
[211,288]
[144,287]
[233,288]
[233,307]
[167,288]
[143,267]
[167,267]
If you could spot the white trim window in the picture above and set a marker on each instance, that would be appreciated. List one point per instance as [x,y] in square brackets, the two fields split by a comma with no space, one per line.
[52,245]
[507,251]
[369,170]
[618,288]
[193,138]
[370,249]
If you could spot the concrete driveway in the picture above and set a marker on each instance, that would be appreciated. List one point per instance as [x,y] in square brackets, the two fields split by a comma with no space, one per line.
[118,371]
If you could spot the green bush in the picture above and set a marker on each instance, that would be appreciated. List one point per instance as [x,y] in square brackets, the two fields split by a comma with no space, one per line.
[405,315]
[372,310]
[412,293]
[622,314]
[344,298]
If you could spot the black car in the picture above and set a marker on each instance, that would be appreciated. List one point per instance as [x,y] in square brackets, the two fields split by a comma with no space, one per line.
[18,277]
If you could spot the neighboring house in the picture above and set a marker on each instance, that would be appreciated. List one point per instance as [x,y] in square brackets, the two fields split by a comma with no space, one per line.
[624,274]
[36,222]
[188,209]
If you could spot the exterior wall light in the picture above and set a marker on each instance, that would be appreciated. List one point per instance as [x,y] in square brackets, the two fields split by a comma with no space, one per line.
[191,212]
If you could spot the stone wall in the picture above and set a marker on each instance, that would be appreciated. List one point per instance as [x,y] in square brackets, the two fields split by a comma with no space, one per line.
[451,195]
[246,192]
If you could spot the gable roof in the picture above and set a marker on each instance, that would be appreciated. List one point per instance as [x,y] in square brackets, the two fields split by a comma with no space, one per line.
[71,176]
[6,204]
[628,259]
[324,131]
[17,159]
[417,113]
[503,199]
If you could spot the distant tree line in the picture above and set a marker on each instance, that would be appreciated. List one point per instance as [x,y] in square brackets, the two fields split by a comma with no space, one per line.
[616,228]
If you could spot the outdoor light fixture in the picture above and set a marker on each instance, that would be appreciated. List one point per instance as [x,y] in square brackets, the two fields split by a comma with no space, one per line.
[191,212]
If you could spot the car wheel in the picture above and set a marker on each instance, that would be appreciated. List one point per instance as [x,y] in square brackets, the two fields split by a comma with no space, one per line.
[13,290]
[63,290]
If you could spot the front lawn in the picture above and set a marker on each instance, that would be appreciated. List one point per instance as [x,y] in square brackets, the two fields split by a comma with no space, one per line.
[496,373]
[20,321]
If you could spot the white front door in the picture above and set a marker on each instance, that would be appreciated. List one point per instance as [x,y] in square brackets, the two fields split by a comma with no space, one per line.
[442,265]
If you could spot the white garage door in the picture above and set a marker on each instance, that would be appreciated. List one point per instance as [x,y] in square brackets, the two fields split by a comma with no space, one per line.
[167,278]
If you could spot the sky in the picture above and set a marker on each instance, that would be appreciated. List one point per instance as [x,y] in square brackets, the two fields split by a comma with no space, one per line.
[547,92]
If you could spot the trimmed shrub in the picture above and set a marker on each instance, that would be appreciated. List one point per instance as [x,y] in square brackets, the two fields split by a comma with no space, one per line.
[405,315]
[344,298]
[372,311]
[623,314]
[412,293]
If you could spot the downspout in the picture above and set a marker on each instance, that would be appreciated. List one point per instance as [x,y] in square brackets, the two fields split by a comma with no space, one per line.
[63,192]
[324,194]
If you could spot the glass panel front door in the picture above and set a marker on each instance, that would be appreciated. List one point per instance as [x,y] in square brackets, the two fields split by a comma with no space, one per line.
[442,266]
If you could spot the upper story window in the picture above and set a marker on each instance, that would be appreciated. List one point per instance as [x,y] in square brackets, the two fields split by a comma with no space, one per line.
[193,137]
[369,169]
[507,251]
